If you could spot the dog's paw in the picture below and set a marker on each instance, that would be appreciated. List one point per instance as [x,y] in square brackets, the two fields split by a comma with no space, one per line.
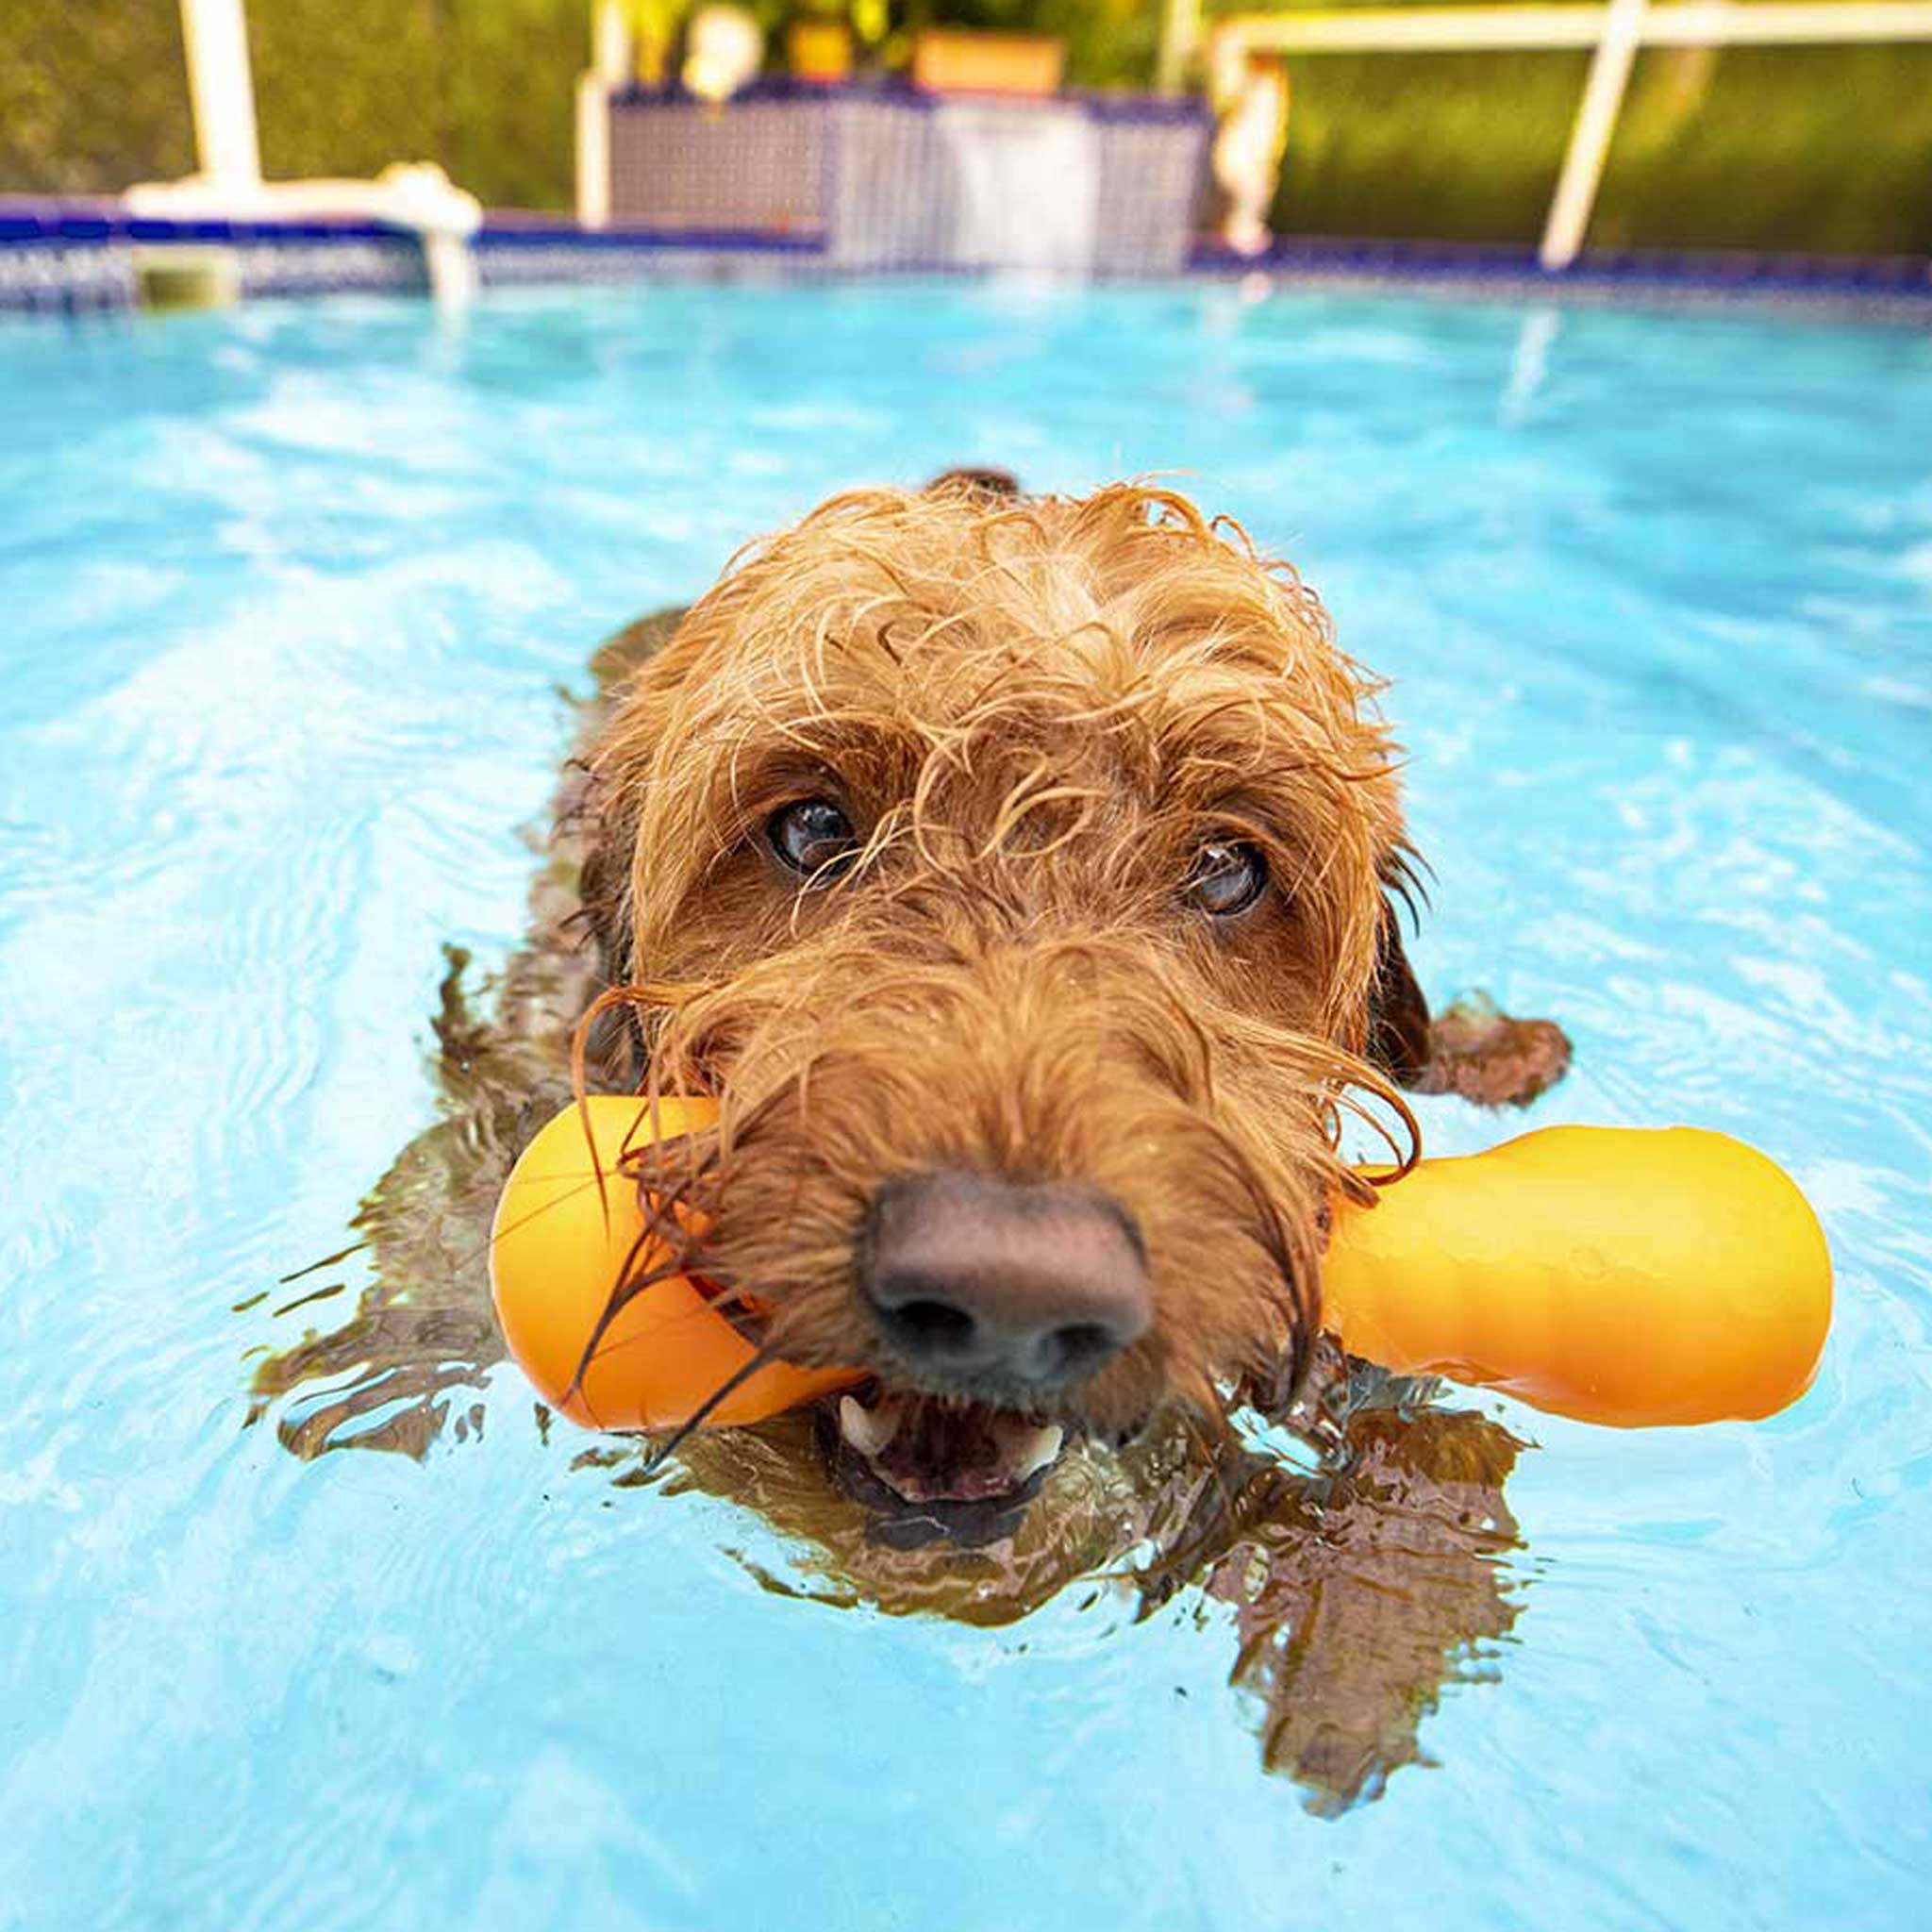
[1478,1051]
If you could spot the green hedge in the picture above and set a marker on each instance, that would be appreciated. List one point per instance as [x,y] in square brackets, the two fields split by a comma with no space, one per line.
[1796,148]
[1782,148]
[1774,148]
[1458,147]
[94,94]
[485,87]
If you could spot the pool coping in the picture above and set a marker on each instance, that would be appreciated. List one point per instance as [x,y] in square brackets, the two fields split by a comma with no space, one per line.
[72,257]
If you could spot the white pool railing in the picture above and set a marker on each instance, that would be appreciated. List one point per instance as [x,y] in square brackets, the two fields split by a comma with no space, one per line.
[414,196]
[1615,31]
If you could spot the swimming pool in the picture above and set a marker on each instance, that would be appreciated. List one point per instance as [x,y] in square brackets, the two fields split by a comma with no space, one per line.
[288,594]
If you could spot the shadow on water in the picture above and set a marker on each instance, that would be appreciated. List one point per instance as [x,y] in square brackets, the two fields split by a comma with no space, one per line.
[1360,1580]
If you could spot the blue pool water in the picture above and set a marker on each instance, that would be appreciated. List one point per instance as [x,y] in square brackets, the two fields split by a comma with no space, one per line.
[286,594]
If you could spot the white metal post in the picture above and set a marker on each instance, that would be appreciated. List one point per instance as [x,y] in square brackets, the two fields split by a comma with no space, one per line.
[612,64]
[610,49]
[1590,138]
[215,35]
[1180,32]
[593,152]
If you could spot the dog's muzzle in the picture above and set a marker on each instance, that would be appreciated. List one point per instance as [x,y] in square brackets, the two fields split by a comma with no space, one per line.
[999,1288]
[993,1299]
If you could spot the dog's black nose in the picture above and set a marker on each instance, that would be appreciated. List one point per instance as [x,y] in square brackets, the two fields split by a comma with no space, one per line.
[1002,1282]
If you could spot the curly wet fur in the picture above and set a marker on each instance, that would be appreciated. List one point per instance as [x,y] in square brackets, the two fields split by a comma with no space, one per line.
[1070,1001]
[1034,711]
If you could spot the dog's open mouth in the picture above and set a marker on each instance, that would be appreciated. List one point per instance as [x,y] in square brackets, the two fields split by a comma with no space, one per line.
[935,1449]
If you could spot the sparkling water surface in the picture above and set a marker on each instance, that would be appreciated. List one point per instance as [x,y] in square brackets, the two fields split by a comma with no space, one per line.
[288,594]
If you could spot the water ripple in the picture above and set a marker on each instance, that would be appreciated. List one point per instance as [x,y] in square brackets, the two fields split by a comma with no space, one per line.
[290,591]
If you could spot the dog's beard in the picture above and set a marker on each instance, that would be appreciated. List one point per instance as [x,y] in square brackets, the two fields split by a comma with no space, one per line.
[1215,1132]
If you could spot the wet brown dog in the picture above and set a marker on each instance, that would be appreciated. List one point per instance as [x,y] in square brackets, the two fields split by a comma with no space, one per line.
[1022,875]
[1018,874]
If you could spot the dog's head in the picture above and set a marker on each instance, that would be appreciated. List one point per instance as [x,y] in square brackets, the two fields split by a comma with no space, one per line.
[1011,871]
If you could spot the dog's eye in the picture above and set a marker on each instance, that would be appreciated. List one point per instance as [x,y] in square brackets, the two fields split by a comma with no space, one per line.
[813,837]
[1229,876]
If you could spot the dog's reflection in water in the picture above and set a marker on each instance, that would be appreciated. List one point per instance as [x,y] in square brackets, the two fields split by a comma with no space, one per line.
[1357,1591]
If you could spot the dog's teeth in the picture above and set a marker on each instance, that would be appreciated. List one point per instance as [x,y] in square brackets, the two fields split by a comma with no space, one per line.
[867,1432]
[1040,1452]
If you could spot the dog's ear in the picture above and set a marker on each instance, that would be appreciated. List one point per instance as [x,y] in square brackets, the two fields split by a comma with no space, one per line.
[600,819]
[601,889]
[993,486]
[1398,1032]
[619,658]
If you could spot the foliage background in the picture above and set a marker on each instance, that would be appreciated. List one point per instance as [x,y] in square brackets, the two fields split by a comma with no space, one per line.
[94,94]
[1775,148]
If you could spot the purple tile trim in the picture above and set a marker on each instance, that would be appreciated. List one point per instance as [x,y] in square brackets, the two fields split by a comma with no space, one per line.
[1896,279]
[71,254]
[498,233]
[1161,110]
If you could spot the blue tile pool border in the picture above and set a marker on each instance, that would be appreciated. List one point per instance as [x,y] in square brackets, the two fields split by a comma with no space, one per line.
[1899,285]
[74,257]
[1146,111]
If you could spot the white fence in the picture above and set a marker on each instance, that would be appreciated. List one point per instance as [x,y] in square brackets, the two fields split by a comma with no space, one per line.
[1615,31]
